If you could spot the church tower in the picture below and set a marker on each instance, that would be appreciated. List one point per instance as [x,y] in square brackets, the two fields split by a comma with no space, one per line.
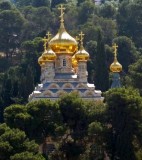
[64,67]
[115,68]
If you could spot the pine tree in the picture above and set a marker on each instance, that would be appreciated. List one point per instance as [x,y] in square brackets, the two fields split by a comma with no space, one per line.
[101,78]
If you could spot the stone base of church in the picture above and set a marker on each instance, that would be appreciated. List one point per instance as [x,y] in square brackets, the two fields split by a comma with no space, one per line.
[63,84]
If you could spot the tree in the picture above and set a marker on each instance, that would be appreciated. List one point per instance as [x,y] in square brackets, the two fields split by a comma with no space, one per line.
[95,22]
[101,79]
[79,2]
[124,108]
[37,26]
[5,5]
[73,113]
[37,3]
[13,144]
[86,10]
[11,22]
[22,3]
[5,93]
[54,3]
[135,75]
[108,10]
[91,47]
[84,129]
[16,116]
[73,123]
[129,21]
[26,156]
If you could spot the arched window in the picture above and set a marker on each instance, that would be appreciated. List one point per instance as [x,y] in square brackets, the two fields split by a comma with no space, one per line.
[64,62]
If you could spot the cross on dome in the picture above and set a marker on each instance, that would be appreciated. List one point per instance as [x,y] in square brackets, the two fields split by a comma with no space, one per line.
[81,37]
[61,8]
[45,40]
[48,35]
[115,49]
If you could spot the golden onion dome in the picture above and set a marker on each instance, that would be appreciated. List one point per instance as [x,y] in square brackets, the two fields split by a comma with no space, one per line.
[49,55]
[41,61]
[63,43]
[74,62]
[82,54]
[116,66]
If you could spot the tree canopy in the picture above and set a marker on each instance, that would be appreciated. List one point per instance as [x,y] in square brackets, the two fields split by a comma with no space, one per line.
[79,130]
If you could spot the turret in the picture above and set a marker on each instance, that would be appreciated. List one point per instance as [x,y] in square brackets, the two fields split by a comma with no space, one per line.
[82,57]
[115,68]
[47,62]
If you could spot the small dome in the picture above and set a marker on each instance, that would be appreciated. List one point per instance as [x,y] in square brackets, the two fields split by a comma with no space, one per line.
[63,42]
[116,67]
[41,61]
[82,54]
[49,55]
[74,62]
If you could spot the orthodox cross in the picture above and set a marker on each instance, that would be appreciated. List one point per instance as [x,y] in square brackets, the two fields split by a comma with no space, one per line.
[48,35]
[115,50]
[62,12]
[81,37]
[45,40]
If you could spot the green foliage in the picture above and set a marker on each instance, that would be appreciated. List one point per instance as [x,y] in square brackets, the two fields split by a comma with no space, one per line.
[21,3]
[85,11]
[45,117]
[72,111]
[135,75]
[16,116]
[95,128]
[37,26]
[129,21]
[108,10]
[26,156]
[81,129]
[101,70]
[14,142]
[54,3]
[37,3]
[11,22]
[5,5]
[124,121]
[80,1]
[69,121]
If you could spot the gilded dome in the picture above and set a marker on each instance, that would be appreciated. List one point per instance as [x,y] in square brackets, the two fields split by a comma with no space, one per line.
[49,55]
[82,54]
[116,67]
[41,61]
[63,42]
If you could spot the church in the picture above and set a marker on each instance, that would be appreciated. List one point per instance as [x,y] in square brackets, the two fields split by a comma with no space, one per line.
[64,67]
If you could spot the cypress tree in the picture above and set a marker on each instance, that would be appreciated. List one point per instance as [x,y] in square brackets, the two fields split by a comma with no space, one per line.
[29,81]
[101,78]
[6,92]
